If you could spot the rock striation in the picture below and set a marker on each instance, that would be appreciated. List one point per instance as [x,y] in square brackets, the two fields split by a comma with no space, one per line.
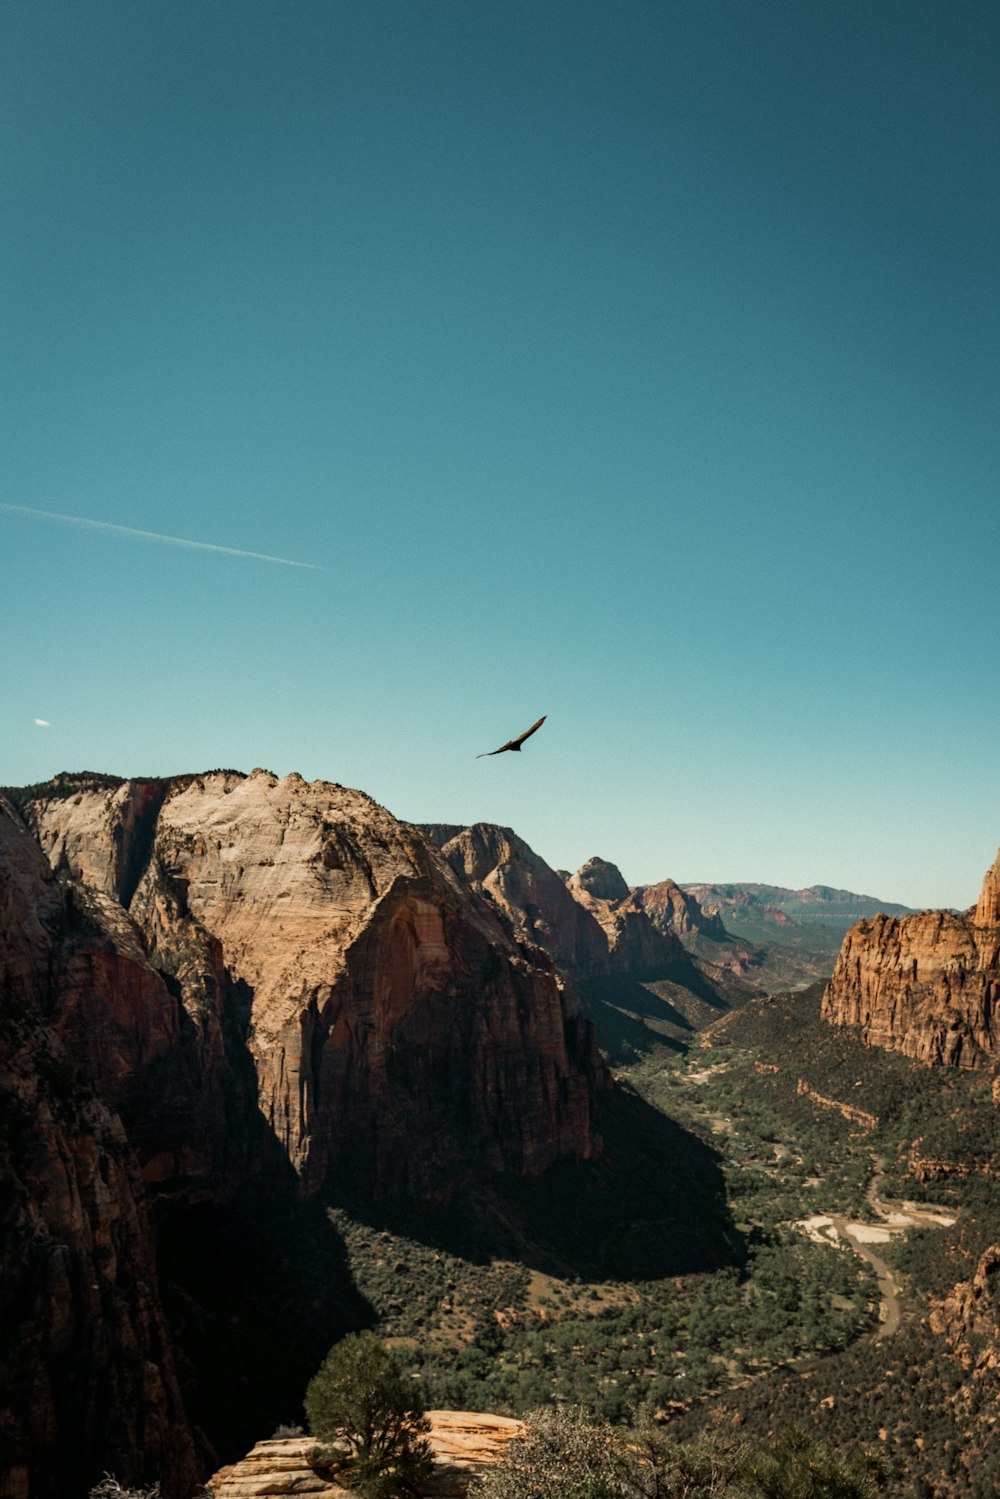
[463,1444]
[393,1020]
[636,945]
[927,985]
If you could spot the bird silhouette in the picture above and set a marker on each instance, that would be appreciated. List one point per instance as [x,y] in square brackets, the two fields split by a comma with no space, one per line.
[515,744]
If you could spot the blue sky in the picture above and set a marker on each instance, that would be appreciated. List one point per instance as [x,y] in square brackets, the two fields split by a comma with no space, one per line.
[635,364]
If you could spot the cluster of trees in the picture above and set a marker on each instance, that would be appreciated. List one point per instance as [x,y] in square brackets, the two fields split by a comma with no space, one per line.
[481,1337]
[368,1413]
[565,1454]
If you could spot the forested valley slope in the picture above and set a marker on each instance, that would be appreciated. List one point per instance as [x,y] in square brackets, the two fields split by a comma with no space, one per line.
[277,1065]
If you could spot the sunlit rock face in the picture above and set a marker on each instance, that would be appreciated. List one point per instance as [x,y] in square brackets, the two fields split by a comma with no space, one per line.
[672,909]
[393,1019]
[636,945]
[217,981]
[532,897]
[927,985]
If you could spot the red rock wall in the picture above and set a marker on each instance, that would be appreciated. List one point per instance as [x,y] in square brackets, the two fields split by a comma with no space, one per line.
[393,1019]
[926,985]
[85,1360]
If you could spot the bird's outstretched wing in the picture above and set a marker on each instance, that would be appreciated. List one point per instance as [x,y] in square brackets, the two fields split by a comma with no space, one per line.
[514,744]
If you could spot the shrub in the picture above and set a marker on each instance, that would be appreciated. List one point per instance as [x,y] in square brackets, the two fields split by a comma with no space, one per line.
[110,1488]
[564,1454]
[567,1454]
[362,1404]
[798,1466]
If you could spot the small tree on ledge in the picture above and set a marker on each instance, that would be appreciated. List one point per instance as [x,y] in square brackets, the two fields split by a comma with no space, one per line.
[362,1405]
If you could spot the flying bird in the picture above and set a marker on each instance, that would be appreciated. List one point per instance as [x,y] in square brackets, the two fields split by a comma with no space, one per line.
[515,744]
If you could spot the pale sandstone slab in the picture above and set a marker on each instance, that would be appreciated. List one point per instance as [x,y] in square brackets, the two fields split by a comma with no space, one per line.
[464,1443]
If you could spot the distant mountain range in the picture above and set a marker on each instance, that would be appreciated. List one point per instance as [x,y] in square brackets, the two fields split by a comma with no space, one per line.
[816,919]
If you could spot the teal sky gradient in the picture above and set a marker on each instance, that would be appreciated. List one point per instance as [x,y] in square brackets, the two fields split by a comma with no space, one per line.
[635,364]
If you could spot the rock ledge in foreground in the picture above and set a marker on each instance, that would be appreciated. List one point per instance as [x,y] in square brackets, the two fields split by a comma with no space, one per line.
[463,1442]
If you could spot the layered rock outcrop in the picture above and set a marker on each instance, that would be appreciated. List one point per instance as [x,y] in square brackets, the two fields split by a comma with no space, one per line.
[393,1020]
[530,895]
[927,985]
[463,1445]
[635,944]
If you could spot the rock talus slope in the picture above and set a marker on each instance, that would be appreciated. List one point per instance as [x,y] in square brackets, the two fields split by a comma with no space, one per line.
[970,1318]
[927,985]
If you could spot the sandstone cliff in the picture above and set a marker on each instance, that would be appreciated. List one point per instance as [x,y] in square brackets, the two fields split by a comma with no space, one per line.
[394,1022]
[531,896]
[672,909]
[927,985]
[86,1365]
[636,945]
[212,988]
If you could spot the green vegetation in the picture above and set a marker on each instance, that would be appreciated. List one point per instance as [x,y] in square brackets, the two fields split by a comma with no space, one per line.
[361,1404]
[799,1466]
[566,1454]
[908,1393]
[587,1289]
[617,1313]
[498,1339]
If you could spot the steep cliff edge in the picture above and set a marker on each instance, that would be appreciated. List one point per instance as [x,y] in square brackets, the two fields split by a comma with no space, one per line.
[85,1356]
[636,944]
[672,909]
[532,897]
[927,985]
[218,995]
[395,1025]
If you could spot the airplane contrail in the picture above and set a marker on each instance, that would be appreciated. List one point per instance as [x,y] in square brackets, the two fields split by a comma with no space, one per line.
[174,541]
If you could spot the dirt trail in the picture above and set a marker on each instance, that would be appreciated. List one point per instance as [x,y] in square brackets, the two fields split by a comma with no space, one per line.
[890,1312]
[897,1218]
